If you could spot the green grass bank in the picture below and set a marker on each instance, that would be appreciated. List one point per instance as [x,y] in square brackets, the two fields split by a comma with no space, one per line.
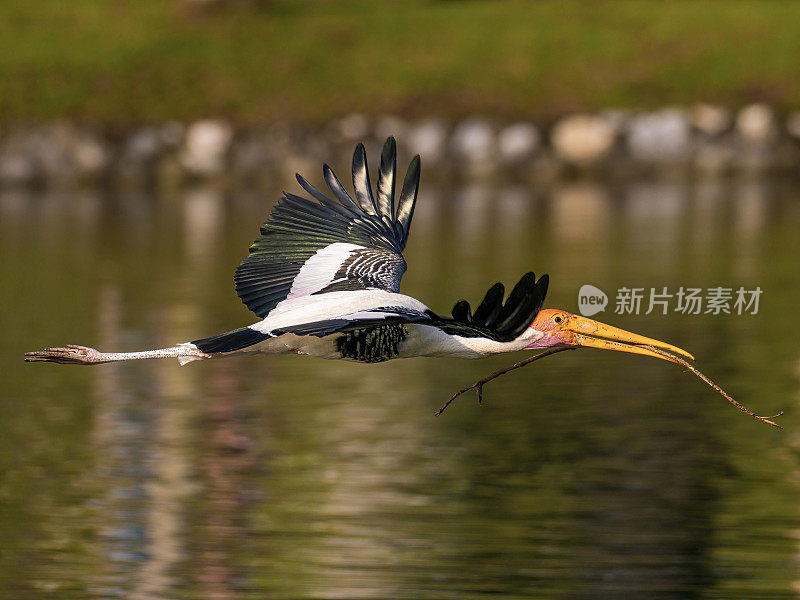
[121,63]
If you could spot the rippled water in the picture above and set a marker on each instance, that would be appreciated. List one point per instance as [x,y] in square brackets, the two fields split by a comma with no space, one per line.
[589,475]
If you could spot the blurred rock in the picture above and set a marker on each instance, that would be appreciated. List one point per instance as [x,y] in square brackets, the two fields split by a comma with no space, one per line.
[16,168]
[793,124]
[139,152]
[473,140]
[206,146]
[428,139]
[660,137]
[16,164]
[49,148]
[90,155]
[517,142]
[756,125]
[142,146]
[583,139]
[704,139]
[59,152]
[709,119]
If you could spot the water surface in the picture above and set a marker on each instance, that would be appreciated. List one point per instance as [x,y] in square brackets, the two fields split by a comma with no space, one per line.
[588,475]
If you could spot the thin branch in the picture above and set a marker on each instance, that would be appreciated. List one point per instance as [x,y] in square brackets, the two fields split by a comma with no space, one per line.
[480,383]
[694,370]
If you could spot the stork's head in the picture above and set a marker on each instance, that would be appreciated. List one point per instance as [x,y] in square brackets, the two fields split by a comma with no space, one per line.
[562,329]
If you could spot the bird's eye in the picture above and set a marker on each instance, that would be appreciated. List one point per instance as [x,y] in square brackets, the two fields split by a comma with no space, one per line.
[558,319]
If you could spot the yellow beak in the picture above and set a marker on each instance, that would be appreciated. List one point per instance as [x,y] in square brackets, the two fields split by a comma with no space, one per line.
[586,333]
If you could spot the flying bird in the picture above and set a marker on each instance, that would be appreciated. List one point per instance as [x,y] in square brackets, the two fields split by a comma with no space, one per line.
[324,279]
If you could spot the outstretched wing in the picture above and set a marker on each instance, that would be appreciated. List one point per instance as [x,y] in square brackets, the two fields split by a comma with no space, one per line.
[495,319]
[332,244]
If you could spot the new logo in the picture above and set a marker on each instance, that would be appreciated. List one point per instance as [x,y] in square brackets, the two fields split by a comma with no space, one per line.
[591,300]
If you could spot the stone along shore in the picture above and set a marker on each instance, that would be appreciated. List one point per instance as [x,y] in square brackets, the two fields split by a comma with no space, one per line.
[704,140]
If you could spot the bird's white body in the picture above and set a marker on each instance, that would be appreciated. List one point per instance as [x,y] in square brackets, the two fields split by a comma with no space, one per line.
[335,305]
[420,339]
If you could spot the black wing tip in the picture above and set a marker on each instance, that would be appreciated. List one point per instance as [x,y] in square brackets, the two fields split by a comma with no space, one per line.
[390,146]
[506,320]
[521,307]
[415,166]
[386,182]
[540,290]
[462,312]
[359,157]
[411,180]
[389,153]
[408,199]
[489,308]
[362,185]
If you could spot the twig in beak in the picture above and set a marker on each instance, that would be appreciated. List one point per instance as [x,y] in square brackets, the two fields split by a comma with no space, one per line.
[741,407]
[481,382]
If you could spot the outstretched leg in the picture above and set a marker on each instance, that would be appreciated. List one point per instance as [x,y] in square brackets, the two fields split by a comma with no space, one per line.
[81,355]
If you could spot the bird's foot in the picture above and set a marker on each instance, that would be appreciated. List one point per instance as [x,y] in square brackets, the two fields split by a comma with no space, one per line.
[68,355]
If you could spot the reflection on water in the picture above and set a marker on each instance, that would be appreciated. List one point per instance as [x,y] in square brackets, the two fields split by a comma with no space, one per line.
[587,476]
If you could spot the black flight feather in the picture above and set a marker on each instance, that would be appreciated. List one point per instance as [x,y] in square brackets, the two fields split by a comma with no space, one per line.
[495,319]
[516,301]
[408,198]
[489,309]
[385,189]
[462,312]
[343,210]
[540,292]
[337,188]
[361,183]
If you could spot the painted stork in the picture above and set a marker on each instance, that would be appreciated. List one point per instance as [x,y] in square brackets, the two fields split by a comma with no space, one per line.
[324,278]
